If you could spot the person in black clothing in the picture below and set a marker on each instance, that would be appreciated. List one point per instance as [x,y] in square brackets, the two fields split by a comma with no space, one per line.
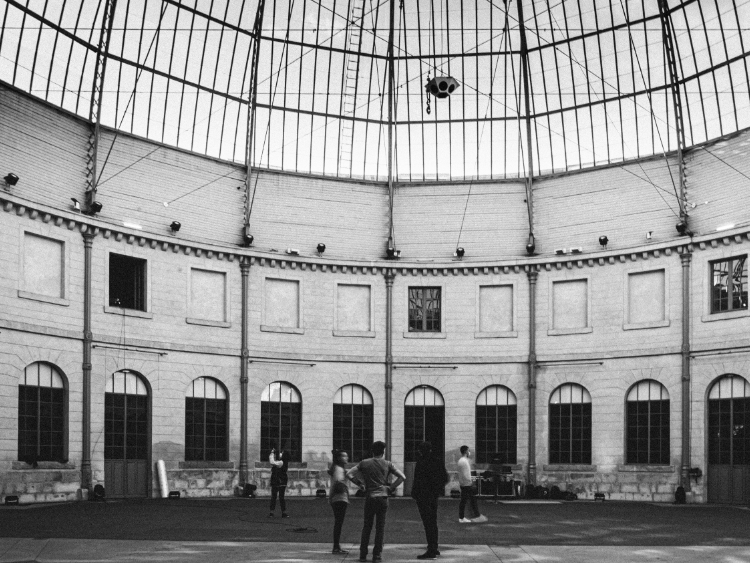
[430,478]
[279,466]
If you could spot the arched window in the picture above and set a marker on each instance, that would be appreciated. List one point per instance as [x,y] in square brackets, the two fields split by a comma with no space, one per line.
[424,420]
[570,425]
[281,420]
[496,420]
[647,424]
[206,414]
[353,421]
[42,420]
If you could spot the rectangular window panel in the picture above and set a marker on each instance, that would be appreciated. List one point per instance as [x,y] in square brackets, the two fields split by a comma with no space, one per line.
[570,304]
[281,422]
[41,423]
[646,297]
[424,309]
[353,307]
[729,285]
[43,265]
[207,295]
[570,434]
[281,303]
[127,282]
[496,308]
[496,433]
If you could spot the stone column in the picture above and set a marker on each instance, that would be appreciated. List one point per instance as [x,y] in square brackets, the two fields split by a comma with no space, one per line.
[533,275]
[88,337]
[244,354]
[685,258]
[389,276]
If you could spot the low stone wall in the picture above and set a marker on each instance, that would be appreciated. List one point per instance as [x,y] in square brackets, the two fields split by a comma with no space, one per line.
[48,482]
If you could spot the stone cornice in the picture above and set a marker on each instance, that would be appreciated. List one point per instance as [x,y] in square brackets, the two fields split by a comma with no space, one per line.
[12,203]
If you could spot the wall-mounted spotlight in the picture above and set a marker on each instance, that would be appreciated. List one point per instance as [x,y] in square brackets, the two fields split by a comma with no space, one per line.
[576,249]
[321,248]
[76,204]
[292,251]
[603,240]
[459,253]
[248,238]
[559,251]
[95,207]
[175,226]
[682,228]
[393,254]
[531,245]
[10,180]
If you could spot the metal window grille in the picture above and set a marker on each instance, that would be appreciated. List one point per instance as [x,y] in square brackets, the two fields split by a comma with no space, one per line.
[127,282]
[729,285]
[424,309]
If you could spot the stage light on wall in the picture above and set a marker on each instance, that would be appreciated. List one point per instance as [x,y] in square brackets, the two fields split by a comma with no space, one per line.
[559,251]
[321,248]
[392,254]
[175,226]
[603,240]
[248,238]
[441,86]
[95,207]
[292,251]
[10,180]
[459,253]
[76,204]
[576,249]
[531,245]
[682,228]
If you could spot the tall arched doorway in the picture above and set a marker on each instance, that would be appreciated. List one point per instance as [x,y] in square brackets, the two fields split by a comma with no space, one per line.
[729,440]
[127,435]
[424,421]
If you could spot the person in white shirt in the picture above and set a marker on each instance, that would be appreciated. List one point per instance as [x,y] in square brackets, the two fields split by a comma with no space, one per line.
[467,489]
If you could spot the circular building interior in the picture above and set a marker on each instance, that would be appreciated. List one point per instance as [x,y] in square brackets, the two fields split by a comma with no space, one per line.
[231,228]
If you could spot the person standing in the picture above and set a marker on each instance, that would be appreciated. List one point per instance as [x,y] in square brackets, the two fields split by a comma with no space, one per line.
[373,474]
[430,478]
[467,489]
[279,478]
[339,497]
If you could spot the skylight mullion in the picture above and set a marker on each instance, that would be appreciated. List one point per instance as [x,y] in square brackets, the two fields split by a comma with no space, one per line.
[200,81]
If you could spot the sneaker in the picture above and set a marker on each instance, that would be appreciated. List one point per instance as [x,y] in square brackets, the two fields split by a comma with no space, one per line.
[339,551]
[427,555]
[363,558]
[464,521]
[479,519]
[284,515]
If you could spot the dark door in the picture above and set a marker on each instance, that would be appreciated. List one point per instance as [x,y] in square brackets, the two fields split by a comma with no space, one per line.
[126,439]
[728,446]
[422,424]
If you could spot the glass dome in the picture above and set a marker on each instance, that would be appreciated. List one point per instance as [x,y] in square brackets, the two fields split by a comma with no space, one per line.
[598,89]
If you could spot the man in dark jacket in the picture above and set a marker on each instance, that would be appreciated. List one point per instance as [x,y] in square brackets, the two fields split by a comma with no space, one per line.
[430,478]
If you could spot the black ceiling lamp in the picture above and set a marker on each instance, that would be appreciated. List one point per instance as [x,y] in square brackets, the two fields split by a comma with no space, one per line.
[459,252]
[321,248]
[603,240]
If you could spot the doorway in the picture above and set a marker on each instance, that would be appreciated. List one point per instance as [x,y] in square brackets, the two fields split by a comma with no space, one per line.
[127,436]
[728,477]
[424,421]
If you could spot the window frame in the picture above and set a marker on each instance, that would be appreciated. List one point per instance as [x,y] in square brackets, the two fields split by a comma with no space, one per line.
[626,324]
[296,453]
[485,457]
[191,318]
[65,414]
[205,401]
[570,415]
[731,310]
[627,427]
[409,333]
[22,292]
[368,439]
[112,309]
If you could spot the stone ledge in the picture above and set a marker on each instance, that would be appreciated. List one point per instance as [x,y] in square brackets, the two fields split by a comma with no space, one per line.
[206,465]
[23,466]
[292,465]
[640,468]
[573,468]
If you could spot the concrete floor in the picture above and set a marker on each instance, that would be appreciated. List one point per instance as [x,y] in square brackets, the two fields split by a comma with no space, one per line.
[240,530]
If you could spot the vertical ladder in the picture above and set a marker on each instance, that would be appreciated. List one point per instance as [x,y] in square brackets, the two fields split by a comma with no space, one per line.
[349,89]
